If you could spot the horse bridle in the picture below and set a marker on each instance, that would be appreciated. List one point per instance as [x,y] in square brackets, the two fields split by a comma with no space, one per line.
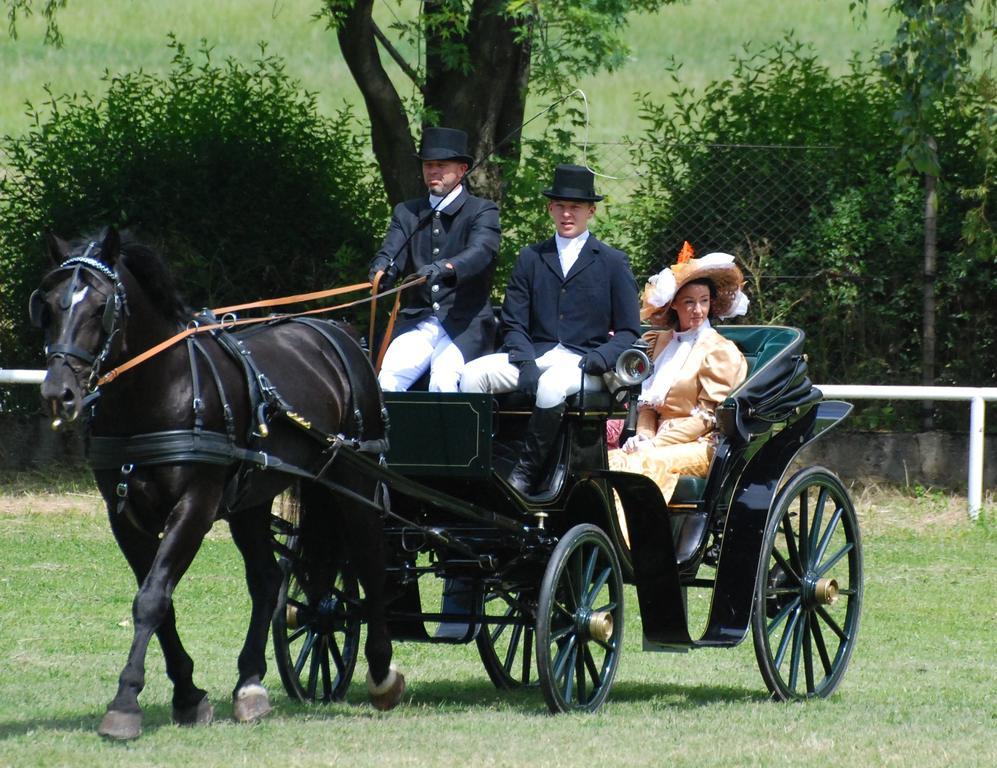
[112,318]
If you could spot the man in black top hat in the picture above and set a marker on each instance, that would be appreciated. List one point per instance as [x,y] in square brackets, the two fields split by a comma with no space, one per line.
[571,304]
[451,238]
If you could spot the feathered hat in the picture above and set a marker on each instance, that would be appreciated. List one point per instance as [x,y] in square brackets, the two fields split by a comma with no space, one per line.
[718,268]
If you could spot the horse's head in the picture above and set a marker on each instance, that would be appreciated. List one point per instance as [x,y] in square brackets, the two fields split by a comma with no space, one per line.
[80,306]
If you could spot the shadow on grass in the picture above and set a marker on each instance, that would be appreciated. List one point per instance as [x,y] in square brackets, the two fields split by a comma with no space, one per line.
[154,716]
[440,695]
[451,695]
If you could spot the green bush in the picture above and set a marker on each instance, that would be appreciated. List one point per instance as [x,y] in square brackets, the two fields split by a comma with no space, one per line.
[230,170]
[793,170]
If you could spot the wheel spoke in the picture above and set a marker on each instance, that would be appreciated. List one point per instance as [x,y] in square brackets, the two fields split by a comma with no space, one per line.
[511,651]
[826,538]
[832,624]
[597,586]
[580,673]
[592,669]
[783,613]
[569,678]
[611,606]
[825,658]
[563,652]
[834,559]
[297,633]
[566,612]
[313,670]
[816,522]
[794,659]
[326,676]
[527,656]
[808,654]
[557,634]
[574,584]
[590,564]
[804,529]
[337,657]
[305,652]
[785,565]
[787,634]
[793,566]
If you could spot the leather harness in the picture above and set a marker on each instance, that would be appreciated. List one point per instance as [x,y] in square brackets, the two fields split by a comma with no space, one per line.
[204,446]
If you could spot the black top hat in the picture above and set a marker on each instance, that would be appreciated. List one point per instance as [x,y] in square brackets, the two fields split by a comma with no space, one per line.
[573,182]
[444,144]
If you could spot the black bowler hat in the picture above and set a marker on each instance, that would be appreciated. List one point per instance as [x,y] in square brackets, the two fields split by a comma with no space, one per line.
[573,182]
[444,144]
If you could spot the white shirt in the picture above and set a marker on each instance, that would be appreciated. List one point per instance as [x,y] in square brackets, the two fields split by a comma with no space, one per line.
[438,203]
[568,250]
[668,364]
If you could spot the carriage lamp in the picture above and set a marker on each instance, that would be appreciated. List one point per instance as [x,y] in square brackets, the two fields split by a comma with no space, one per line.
[633,367]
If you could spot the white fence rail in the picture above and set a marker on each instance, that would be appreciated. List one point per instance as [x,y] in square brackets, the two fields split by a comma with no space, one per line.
[976,396]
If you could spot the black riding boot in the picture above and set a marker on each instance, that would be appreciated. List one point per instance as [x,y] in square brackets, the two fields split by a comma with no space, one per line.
[542,431]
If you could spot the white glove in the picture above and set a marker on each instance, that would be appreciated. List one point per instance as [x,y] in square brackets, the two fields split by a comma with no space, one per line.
[637,443]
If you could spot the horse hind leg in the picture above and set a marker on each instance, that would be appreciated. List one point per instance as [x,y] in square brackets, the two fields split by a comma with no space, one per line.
[365,535]
[251,533]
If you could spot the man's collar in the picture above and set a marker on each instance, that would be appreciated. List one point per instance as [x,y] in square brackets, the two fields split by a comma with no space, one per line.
[438,203]
[564,242]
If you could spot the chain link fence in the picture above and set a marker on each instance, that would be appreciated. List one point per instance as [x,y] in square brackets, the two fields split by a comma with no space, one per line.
[732,198]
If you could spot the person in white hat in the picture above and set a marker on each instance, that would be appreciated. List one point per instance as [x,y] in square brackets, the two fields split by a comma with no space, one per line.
[695,368]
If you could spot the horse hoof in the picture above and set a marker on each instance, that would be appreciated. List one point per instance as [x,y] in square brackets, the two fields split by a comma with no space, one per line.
[120,726]
[250,704]
[201,713]
[389,692]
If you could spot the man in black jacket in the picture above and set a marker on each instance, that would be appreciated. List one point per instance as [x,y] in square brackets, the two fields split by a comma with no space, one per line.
[451,238]
[571,304]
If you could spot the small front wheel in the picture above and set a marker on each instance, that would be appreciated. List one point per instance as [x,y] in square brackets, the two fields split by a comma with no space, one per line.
[506,647]
[808,595]
[316,633]
[580,621]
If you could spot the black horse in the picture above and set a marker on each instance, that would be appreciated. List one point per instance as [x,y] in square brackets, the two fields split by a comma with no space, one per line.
[214,426]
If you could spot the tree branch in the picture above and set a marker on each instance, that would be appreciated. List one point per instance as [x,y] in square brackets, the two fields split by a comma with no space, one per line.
[396,55]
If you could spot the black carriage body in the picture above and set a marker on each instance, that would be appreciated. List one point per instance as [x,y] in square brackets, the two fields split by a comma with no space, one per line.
[452,516]
[458,447]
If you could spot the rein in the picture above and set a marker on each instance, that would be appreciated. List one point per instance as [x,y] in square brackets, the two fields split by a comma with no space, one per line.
[227,323]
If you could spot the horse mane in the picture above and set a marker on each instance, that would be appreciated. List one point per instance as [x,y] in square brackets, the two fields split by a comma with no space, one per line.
[153,274]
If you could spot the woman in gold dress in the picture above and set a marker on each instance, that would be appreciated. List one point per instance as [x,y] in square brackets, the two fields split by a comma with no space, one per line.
[695,368]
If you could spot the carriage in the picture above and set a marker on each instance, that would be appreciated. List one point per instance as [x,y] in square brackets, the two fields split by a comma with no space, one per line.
[213,421]
[538,582]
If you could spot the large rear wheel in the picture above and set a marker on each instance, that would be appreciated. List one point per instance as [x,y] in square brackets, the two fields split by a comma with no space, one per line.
[808,595]
[580,621]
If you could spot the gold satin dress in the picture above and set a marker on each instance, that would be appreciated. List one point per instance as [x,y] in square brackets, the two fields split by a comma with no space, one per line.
[682,428]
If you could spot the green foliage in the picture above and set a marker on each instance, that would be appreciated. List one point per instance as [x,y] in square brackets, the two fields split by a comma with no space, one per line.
[229,169]
[830,233]
[49,8]
[567,38]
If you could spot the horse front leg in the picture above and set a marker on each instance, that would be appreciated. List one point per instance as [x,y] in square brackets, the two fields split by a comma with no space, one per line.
[251,533]
[152,611]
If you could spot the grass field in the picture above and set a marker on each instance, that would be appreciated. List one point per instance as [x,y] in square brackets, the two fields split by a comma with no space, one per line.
[920,690]
[124,35]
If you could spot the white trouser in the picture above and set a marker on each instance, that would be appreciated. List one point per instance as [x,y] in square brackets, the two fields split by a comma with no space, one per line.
[409,355]
[560,379]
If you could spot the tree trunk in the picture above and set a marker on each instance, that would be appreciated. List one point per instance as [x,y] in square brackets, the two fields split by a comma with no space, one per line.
[390,135]
[489,99]
[928,306]
[486,98]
